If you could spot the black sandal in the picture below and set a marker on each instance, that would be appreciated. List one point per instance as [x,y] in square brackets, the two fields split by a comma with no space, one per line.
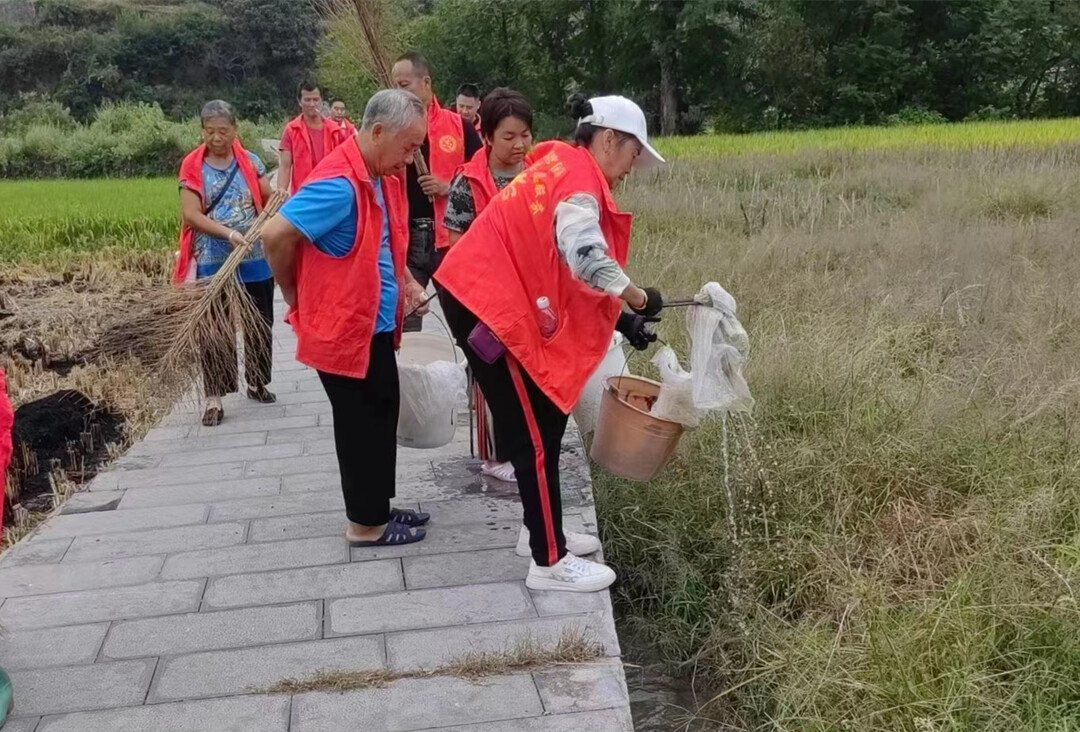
[261,395]
[395,534]
[213,416]
[408,517]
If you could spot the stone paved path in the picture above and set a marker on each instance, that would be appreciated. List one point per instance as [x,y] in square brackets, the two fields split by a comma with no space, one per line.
[209,562]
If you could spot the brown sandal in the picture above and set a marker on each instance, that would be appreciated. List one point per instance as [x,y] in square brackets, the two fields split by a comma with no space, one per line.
[213,416]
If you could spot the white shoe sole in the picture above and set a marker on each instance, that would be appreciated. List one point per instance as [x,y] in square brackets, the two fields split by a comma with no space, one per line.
[551,584]
[582,547]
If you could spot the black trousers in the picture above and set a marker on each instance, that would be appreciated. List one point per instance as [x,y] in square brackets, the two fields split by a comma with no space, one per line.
[365,433]
[422,260]
[530,430]
[219,361]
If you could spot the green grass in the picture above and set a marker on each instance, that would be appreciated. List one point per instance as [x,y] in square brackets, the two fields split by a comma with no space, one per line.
[907,494]
[966,136]
[42,220]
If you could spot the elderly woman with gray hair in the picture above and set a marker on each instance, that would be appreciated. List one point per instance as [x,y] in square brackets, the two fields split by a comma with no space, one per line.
[337,249]
[222,189]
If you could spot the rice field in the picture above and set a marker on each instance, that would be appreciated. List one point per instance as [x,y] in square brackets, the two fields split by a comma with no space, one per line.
[42,221]
[959,136]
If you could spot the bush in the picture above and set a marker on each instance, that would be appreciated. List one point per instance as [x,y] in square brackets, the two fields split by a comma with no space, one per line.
[916,116]
[124,140]
[37,112]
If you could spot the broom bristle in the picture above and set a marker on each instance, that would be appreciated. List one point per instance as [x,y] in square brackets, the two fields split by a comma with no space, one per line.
[181,332]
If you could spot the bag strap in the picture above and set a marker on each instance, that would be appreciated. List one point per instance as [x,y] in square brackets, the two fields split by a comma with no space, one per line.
[224,188]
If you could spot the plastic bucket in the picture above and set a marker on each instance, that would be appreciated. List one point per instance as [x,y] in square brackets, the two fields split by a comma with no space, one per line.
[587,408]
[629,441]
[421,349]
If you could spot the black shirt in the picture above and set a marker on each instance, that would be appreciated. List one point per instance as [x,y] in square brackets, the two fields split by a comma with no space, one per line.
[419,205]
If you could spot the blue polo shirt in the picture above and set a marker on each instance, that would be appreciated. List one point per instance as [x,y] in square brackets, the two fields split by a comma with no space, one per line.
[324,211]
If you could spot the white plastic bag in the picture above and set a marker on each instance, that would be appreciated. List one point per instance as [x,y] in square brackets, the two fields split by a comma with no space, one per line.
[718,348]
[587,409]
[430,394]
[676,399]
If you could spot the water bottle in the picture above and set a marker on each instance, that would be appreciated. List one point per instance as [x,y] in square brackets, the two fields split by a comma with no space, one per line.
[549,321]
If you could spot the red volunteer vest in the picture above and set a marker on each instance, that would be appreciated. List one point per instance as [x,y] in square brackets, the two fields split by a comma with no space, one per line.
[303,153]
[192,179]
[508,258]
[446,153]
[481,181]
[337,298]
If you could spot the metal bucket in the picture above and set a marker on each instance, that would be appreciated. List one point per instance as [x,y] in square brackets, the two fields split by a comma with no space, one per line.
[629,441]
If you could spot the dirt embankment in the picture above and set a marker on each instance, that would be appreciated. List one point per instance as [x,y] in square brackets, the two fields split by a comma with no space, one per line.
[74,410]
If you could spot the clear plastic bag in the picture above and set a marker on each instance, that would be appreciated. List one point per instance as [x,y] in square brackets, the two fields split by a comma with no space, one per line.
[676,399]
[718,348]
[430,393]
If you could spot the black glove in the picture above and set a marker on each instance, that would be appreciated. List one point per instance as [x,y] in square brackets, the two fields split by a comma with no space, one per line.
[633,326]
[654,303]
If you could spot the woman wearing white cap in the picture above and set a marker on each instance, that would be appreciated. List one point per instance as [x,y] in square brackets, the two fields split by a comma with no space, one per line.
[532,292]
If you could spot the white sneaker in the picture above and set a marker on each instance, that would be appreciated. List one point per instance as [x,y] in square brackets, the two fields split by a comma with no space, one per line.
[570,574]
[499,471]
[579,544]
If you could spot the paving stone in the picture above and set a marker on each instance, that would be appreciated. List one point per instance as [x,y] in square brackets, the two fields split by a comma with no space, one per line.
[41,579]
[113,522]
[135,462]
[158,477]
[36,551]
[414,704]
[428,608]
[207,492]
[292,505]
[87,606]
[465,537]
[308,482]
[23,724]
[78,688]
[297,410]
[189,444]
[157,541]
[91,501]
[70,646]
[228,454]
[237,714]
[221,673]
[266,425]
[175,634]
[607,720]
[464,568]
[291,466]
[163,434]
[570,603]
[430,648]
[300,434]
[310,583]
[582,688]
[256,558]
[302,526]
[302,397]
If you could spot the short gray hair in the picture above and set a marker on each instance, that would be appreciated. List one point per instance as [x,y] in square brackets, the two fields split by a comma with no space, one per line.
[218,108]
[392,108]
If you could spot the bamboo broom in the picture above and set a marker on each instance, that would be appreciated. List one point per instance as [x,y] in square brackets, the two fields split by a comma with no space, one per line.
[181,331]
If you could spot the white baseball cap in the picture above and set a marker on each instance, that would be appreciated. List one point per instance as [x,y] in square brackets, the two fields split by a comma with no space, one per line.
[619,113]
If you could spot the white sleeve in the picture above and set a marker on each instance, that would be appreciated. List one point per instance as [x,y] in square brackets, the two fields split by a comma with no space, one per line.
[582,246]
